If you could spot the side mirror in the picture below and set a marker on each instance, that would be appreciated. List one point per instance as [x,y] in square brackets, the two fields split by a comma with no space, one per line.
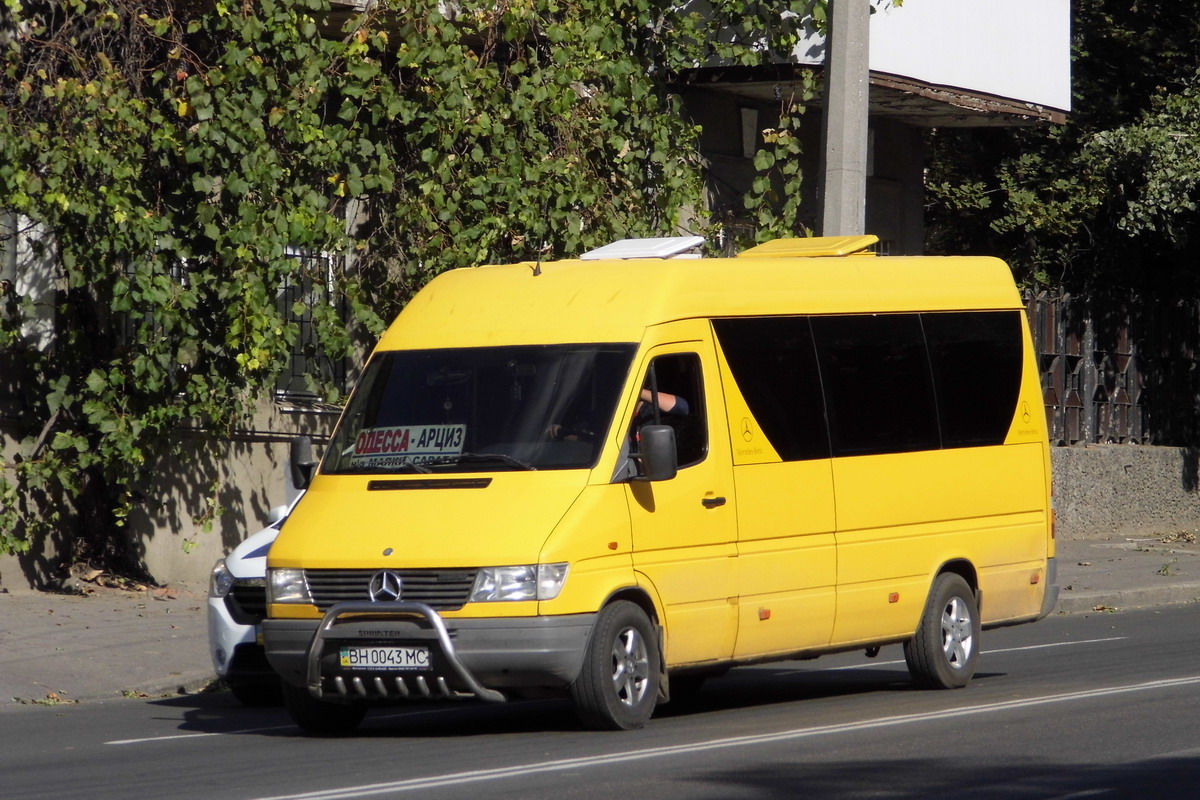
[302,462]
[656,445]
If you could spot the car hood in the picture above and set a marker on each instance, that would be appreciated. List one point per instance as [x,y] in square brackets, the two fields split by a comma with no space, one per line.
[477,519]
[249,559]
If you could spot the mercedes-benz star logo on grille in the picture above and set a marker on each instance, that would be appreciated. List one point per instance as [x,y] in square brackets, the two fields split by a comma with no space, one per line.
[385,586]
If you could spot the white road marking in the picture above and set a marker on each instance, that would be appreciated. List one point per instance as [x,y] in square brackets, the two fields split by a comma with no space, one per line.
[561,765]
[177,736]
[1055,644]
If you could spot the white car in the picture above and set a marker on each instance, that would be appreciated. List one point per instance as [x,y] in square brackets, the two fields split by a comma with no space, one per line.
[237,603]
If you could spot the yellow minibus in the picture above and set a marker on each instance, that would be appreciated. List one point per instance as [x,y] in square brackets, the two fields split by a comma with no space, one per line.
[610,477]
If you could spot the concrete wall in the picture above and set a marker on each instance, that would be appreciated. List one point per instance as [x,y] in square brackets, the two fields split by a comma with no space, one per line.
[166,530]
[1113,491]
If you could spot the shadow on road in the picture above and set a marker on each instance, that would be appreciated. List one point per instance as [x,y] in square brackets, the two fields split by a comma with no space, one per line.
[951,778]
[220,712]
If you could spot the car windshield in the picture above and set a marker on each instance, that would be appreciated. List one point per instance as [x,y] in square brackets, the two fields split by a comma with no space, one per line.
[480,409]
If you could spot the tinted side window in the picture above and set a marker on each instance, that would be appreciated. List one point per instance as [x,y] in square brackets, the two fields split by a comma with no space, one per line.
[775,366]
[976,359]
[878,387]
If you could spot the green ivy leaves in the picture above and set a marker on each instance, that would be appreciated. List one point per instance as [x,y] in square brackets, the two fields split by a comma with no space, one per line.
[173,166]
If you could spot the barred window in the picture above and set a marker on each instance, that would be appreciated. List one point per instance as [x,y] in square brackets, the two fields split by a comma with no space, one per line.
[312,285]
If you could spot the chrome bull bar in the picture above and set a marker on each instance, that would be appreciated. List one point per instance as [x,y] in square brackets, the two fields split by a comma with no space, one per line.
[399,687]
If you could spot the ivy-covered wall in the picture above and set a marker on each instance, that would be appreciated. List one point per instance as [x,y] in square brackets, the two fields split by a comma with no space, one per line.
[173,157]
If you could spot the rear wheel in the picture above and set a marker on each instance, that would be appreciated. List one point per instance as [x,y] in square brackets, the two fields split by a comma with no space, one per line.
[945,649]
[617,688]
[318,717]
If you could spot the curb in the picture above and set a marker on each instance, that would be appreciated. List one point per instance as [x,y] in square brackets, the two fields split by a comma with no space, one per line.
[190,683]
[1125,599]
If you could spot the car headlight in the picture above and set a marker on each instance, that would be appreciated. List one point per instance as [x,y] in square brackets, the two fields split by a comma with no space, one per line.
[287,586]
[525,582]
[221,581]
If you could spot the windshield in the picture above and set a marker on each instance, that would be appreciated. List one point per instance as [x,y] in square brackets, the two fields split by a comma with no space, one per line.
[480,409]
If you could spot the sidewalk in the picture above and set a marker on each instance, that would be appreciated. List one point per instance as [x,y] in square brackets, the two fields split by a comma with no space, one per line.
[58,648]
[1127,573]
[64,649]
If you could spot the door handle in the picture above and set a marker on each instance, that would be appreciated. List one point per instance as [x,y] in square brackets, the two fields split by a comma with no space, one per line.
[713,502]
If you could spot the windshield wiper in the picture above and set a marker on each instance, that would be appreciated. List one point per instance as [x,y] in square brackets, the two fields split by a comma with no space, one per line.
[476,458]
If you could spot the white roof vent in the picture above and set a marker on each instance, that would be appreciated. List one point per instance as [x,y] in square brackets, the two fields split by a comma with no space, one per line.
[665,247]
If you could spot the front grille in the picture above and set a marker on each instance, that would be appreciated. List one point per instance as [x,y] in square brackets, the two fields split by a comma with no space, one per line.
[442,589]
[247,601]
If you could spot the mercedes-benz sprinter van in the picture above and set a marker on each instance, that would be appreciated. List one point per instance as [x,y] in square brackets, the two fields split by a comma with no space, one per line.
[610,477]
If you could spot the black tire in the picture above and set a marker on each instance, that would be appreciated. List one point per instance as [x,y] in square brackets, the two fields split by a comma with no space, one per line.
[258,691]
[318,717]
[945,649]
[617,687]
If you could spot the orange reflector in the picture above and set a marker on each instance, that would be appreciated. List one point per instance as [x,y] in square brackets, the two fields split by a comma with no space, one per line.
[764,613]
[612,545]
[894,597]
[1035,579]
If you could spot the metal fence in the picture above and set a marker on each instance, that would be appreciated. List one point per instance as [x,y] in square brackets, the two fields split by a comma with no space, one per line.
[310,286]
[1118,370]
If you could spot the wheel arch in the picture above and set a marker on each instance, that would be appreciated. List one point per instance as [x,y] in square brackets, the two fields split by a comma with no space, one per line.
[964,569]
[639,597]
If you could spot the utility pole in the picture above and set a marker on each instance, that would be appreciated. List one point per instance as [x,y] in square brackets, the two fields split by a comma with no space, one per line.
[844,133]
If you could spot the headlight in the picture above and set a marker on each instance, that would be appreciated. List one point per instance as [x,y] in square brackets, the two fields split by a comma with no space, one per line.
[221,580]
[526,582]
[287,586]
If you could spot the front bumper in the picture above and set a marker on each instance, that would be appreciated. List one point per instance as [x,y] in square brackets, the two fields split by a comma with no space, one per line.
[470,657]
[231,642]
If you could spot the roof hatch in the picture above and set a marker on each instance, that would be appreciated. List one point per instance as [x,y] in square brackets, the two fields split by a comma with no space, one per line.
[665,247]
[811,247]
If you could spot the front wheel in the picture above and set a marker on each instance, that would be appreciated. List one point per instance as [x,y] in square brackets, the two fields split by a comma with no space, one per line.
[945,649]
[318,717]
[617,687]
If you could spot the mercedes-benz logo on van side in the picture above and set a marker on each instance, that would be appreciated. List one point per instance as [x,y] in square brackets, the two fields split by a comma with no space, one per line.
[385,586]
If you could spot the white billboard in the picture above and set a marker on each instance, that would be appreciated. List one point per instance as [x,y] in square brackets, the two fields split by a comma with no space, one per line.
[1016,49]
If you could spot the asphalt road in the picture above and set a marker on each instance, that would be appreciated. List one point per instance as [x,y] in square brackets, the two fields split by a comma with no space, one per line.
[1102,705]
